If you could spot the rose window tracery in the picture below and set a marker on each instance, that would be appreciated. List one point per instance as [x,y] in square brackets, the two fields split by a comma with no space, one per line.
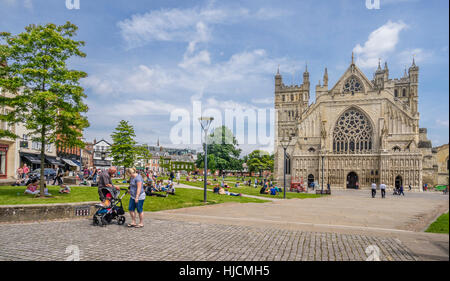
[353,85]
[352,133]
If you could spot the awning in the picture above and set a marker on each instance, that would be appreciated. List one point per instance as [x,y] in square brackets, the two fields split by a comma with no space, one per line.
[53,161]
[32,159]
[76,162]
[69,162]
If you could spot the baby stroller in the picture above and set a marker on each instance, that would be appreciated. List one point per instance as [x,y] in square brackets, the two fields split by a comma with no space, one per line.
[396,191]
[111,209]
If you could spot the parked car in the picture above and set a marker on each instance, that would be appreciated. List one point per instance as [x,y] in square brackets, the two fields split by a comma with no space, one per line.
[49,173]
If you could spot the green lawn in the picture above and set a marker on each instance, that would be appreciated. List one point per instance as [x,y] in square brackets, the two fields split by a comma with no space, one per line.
[250,190]
[13,195]
[440,225]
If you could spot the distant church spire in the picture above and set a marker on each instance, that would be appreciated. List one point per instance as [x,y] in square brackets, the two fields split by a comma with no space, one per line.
[353,58]
[325,77]
[157,143]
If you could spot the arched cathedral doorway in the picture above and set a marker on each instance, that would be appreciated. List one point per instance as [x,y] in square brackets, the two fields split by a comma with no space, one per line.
[352,179]
[398,181]
[310,179]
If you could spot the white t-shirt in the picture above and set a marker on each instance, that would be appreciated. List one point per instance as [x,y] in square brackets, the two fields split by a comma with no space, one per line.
[374,186]
[382,186]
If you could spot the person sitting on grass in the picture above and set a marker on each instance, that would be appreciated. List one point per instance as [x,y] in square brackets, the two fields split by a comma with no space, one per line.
[263,190]
[64,189]
[20,182]
[170,189]
[222,191]
[273,191]
[32,188]
[216,188]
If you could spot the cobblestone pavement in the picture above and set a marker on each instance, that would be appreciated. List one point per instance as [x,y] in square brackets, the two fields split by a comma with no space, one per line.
[176,240]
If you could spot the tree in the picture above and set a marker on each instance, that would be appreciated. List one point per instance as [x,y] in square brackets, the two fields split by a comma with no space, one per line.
[200,162]
[259,161]
[123,149]
[224,147]
[47,97]
[142,154]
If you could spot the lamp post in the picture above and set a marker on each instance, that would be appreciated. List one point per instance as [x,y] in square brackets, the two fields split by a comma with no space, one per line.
[205,122]
[322,175]
[285,144]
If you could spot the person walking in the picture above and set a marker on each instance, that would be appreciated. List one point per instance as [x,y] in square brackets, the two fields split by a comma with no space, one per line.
[383,190]
[178,177]
[94,175]
[401,190]
[374,190]
[137,194]
[59,174]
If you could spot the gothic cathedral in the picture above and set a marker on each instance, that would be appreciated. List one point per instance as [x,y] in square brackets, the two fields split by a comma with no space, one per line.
[357,133]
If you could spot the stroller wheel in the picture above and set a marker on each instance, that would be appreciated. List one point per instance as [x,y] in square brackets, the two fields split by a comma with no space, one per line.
[95,221]
[121,220]
[104,222]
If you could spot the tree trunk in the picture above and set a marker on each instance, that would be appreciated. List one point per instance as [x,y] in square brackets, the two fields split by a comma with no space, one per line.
[42,181]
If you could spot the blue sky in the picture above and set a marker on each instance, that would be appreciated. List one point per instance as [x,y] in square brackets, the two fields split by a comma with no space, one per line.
[148,58]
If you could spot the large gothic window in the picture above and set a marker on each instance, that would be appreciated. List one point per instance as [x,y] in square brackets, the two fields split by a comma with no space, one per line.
[352,133]
[353,85]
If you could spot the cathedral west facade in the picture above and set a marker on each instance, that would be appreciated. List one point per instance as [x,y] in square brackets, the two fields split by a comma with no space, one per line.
[357,132]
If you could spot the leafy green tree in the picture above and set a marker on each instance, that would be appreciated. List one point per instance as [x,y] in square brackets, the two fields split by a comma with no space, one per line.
[224,146]
[142,154]
[123,149]
[259,161]
[200,162]
[46,95]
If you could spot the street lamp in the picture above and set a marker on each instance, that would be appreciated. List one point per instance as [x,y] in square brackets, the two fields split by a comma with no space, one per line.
[285,143]
[205,122]
[322,174]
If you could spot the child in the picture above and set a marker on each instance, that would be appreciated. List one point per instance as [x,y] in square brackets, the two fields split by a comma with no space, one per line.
[32,188]
[64,189]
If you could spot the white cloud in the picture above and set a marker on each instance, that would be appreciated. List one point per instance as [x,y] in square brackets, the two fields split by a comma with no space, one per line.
[405,57]
[269,101]
[28,4]
[244,74]
[186,25]
[380,43]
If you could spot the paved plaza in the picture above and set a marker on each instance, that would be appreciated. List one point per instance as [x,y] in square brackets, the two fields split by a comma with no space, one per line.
[345,226]
[172,240]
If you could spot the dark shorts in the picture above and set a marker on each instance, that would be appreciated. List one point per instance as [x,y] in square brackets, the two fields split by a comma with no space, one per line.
[133,206]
